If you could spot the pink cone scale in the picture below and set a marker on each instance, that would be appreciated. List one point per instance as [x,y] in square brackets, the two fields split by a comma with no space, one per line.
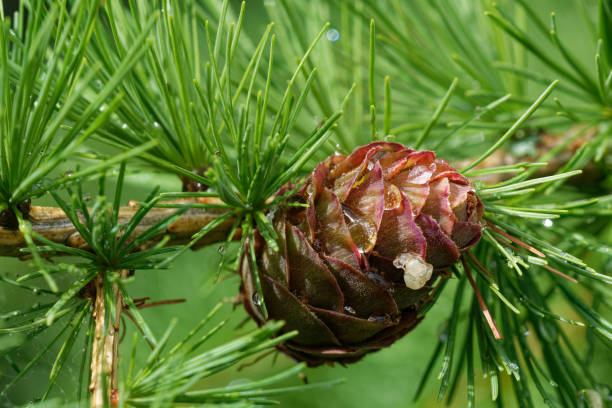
[358,263]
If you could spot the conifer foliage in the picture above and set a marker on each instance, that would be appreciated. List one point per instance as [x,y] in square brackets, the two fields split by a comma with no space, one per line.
[309,152]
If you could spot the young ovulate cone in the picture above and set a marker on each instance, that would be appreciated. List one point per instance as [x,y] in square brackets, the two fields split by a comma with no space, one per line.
[358,263]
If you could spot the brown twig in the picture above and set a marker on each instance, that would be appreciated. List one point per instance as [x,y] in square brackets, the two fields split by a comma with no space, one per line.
[483,306]
[114,396]
[257,359]
[105,349]
[527,247]
[131,316]
[53,224]
[479,265]
[516,240]
[558,272]
[97,350]
[144,305]
[564,145]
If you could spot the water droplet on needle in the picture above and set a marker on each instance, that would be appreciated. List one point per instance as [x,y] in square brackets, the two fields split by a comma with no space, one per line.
[333,35]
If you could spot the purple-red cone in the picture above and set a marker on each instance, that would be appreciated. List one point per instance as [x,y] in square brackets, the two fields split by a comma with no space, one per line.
[356,266]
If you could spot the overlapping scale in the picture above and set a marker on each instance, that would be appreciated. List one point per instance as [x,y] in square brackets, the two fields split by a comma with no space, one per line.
[355,268]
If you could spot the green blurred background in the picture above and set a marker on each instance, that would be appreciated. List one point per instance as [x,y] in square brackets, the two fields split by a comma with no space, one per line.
[388,378]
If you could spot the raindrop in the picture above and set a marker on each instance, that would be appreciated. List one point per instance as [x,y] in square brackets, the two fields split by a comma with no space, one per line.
[35,103]
[297,294]
[524,148]
[221,249]
[547,223]
[513,367]
[380,319]
[169,8]
[333,35]
[238,381]
[526,332]
[256,299]
[103,108]
[58,105]
[349,310]
[377,279]
[36,291]
[155,124]
[478,138]
[603,388]
[362,229]
[97,84]
[124,126]
[389,138]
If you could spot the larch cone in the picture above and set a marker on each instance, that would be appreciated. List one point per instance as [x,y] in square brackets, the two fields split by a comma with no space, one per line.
[357,265]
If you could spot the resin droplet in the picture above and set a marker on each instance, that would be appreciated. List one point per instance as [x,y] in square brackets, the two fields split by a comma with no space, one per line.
[416,271]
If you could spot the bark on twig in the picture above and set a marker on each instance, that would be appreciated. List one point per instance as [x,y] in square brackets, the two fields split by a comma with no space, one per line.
[114,398]
[53,224]
[97,350]
[574,138]
[105,350]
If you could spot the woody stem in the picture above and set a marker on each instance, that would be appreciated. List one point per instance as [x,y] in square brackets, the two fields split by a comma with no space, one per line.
[105,349]
[53,224]
[97,350]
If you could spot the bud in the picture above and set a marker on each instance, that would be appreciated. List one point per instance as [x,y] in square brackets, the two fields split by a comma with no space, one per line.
[356,267]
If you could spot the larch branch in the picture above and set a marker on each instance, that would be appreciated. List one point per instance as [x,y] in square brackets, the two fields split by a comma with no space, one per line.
[53,224]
